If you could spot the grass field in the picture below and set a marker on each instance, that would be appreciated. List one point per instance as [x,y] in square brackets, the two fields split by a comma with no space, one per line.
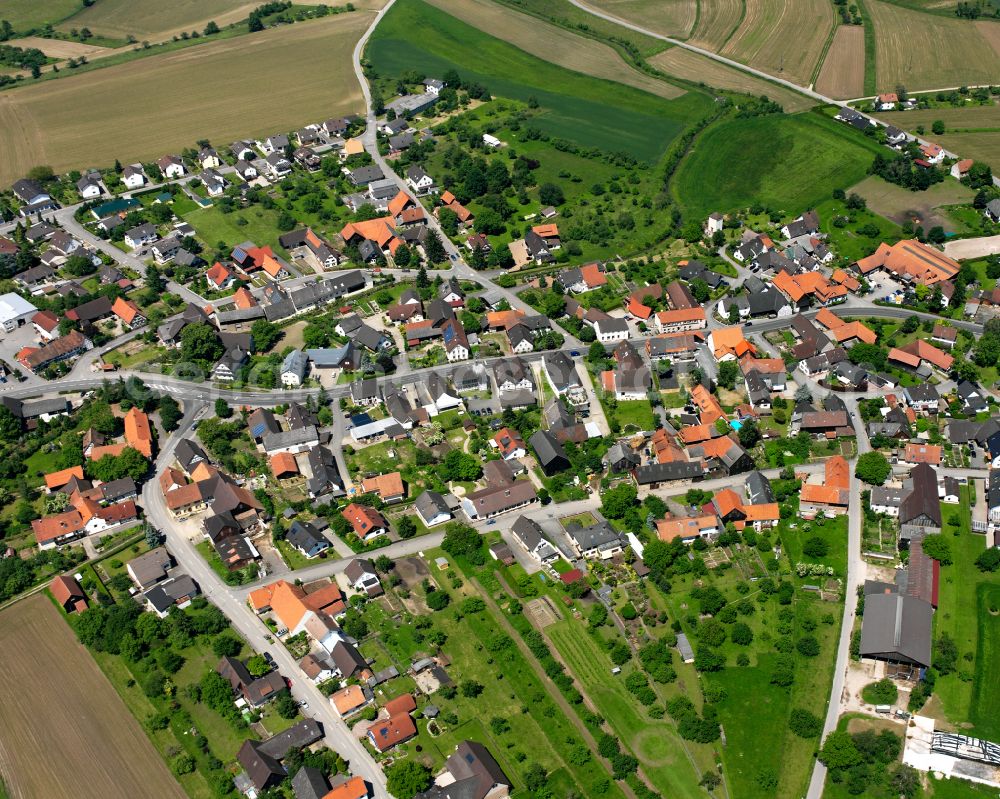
[964,596]
[155,20]
[201,92]
[69,710]
[635,414]
[654,742]
[985,707]
[593,113]
[982,146]
[762,39]
[717,20]
[975,117]
[554,44]
[27,14]
[670,17]
[688,65]
[785,163]
[214,226]
[930,53]
[843,73]
[899,204]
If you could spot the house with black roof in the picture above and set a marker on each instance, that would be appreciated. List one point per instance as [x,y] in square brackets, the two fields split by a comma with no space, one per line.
[548,452]
[307,539]
[920,511]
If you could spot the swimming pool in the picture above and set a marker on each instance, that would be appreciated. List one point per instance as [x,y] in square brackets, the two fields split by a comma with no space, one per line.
[736,424]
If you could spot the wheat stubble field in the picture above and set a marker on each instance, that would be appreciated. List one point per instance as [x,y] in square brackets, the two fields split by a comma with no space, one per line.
[256,85]
[63,729]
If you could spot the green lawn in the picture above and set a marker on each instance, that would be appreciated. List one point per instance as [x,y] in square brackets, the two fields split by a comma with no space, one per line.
[788,163]
[847,241]
[294,558]
[832,531]
[214,226]
[27,14]
[637,414]
[538,731]
[959,789]
[654,742]
[970,693]
[985,708]
[413,36]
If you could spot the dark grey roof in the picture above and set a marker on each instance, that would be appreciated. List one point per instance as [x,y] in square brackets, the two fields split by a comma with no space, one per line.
[922,392]
[430,504]
[298,735]
[923,499]
[325,474]
[528,531]
[664,472]
[561,369]
[309,783]
[600,536]
[348,659]
[758,489]
[305,537]
[897,627]
[547,449]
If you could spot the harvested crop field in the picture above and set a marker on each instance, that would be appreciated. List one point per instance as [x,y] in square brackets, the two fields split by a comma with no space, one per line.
[717,19]
[695,67]
[69,710]
[919,207]
[924,52]
[155,19]
[668,17]
[210,91]
[763,37]
[554,44]
[59,48]
[843,72]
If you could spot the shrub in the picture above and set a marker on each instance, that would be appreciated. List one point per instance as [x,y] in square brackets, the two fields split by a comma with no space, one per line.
[882,692]
[804,723]
[628,612]
[808,646]
[816,547]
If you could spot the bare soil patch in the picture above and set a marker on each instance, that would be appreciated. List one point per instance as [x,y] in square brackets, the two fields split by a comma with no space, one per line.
[58,48]
[63,729]
[542,612]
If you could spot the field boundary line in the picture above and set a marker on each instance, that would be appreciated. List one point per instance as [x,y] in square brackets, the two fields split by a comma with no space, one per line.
[825,52]
[736,27]
[871,76]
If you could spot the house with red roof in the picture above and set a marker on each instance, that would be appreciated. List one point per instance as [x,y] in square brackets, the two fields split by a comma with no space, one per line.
[220,276]
[365,521]
[46,325]
[129,313]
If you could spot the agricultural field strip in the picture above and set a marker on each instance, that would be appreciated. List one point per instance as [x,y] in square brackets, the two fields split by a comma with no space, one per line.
[922,55]
[762,38]
[67,707]
[718,20]
[554,44]
[76,122]
[842,73]
[669,17]
[692,66]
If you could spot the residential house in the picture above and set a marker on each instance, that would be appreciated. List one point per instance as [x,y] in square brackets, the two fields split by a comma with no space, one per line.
[366,522]
[831,496]
[307,539]
[363,578]
[529,534]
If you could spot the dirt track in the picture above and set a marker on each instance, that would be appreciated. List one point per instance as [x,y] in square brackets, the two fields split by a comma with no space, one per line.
[64,732]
